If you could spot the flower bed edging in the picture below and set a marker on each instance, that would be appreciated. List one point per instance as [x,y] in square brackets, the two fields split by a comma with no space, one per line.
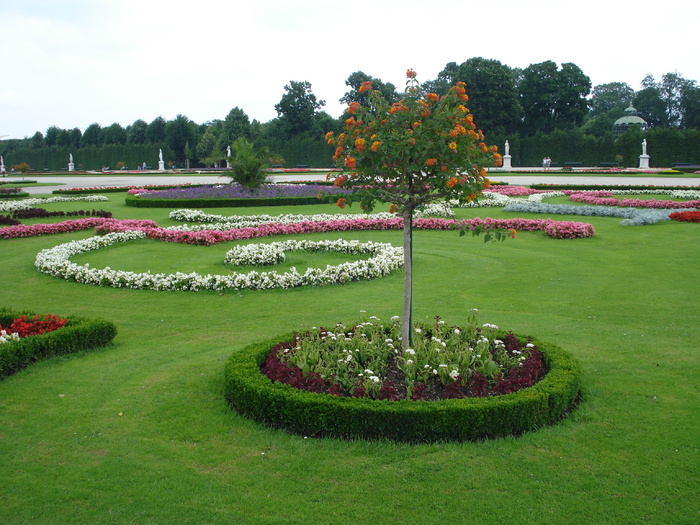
[78,335]
[281,406]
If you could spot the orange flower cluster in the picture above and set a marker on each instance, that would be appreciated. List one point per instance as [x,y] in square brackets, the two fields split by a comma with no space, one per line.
[365,86]
[425,138]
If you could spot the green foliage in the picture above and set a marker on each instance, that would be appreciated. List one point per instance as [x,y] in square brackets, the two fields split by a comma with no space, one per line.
[248,164]
[91,136]
[553,98]
[80,334]
[355,80]
[493,95]
[297,107]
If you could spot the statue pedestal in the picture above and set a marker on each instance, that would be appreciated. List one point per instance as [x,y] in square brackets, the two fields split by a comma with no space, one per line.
[507,162]
[644,162]
[161,165]
[71,166]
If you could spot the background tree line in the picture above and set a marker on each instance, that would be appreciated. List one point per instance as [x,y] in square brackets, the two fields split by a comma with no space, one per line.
[542,110]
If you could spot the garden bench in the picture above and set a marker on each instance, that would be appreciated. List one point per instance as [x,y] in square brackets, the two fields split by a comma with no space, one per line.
[609,164]
[572,164]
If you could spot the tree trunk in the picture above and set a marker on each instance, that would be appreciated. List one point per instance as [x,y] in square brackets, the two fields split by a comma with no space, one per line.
[407,321]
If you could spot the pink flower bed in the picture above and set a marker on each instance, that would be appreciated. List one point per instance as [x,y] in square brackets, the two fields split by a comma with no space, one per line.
[22,230]
[597,199]
[514,191]
[554,229]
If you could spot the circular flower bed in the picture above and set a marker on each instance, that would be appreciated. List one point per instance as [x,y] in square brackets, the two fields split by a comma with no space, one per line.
[455,384]
[56,261]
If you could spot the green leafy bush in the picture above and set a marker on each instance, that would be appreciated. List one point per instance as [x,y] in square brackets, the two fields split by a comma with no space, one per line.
[278,405]
[78,335]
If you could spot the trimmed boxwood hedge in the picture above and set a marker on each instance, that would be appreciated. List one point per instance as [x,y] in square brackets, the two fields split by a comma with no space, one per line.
[131,200]
[78,335]
[281,406]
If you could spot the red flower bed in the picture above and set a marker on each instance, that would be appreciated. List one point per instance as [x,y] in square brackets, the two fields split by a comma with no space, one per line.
[25,327]
[686,216]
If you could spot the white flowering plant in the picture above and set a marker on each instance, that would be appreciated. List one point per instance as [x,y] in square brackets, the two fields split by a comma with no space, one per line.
[384,259]
[367,359]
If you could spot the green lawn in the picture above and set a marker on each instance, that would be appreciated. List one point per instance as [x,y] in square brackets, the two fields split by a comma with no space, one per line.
[139,432]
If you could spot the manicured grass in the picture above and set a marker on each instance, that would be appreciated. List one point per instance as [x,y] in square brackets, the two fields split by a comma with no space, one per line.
[623,302]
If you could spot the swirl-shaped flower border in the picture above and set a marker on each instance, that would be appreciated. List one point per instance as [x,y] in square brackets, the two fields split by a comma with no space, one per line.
[55,261]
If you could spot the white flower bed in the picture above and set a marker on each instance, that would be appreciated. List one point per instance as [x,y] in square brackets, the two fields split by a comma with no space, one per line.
[56,261]
[25,204]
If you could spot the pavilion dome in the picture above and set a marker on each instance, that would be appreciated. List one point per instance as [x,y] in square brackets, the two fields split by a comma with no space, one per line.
[630,118]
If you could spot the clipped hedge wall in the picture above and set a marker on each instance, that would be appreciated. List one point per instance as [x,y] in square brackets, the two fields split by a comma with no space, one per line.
[131,200]
[78,335]
[281,406]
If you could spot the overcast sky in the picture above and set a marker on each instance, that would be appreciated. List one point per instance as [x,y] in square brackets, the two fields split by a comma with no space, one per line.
[70,63]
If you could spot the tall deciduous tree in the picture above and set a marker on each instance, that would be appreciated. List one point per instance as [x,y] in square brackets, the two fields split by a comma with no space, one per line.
[91,135]
[690,107]
[553,98]
[492,93]
[236,124]
[155,133]
[136,133]
[51,136]
[178,132]
[355,80]
[113,134]
[670,91]
[445,79]
[614,95]
[297,107]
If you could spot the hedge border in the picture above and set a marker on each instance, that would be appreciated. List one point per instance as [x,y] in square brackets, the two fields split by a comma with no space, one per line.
[253,395]
[137,202]
[78,335]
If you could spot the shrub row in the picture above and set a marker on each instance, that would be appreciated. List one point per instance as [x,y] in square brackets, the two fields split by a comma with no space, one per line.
[78,335]
[281,406]
[138,202]
[15,195]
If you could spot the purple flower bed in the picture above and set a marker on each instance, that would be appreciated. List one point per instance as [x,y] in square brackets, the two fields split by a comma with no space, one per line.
[234,191]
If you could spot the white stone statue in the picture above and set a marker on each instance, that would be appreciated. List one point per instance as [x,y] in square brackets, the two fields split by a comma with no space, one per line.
[507,148]
[644,147]
[160,155]
[228,151]
[70,158]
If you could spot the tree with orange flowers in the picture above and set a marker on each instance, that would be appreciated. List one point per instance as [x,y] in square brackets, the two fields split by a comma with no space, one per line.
[421,149]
